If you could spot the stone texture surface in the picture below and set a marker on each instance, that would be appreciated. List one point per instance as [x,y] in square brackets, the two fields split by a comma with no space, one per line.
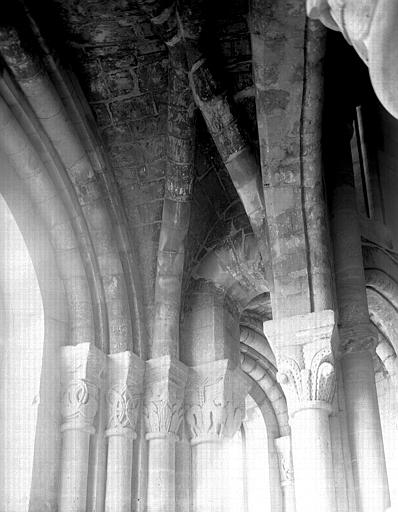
[122,66]
[215,403]
[287,66]
[143,108]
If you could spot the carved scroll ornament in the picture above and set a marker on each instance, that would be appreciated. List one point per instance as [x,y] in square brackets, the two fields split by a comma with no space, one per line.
[79,405]
[125,383]
[82,368]
[123,408]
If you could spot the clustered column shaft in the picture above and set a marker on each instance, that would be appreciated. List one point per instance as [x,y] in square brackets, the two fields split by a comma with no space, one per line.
[215,409]
[82,367]
[216,392]
[357,338]
[284,450]
[306,373]
[165,380]
[125,382]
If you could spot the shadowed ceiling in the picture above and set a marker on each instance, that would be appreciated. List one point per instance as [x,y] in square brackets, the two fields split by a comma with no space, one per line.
[122,67]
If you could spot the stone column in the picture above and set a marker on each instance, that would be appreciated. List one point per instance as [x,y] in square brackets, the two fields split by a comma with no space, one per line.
[284,450]
[82,367]
[303,345]
[215,408]
[165,380]
[363,422]
[183,472]
[357,337]
[125,382]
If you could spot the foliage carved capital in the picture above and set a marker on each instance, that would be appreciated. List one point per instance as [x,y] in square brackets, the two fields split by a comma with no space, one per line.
[215,401]
[305,361]
[165,380]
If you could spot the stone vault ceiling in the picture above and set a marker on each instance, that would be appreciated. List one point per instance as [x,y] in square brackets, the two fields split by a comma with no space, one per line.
[123,69]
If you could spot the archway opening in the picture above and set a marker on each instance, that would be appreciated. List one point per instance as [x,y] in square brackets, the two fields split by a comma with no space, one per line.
[21,338]
[248,464]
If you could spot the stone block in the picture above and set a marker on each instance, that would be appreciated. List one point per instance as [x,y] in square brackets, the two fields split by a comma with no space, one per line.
[133,108]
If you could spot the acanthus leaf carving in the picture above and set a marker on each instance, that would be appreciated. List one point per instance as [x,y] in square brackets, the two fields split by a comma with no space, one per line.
[215,403]
[304,385]
[163,415]
[165,381]
[323,375]
[303,345]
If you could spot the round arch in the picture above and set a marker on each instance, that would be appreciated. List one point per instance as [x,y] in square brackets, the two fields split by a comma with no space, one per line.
[382,296]
[270,399]
[36,326]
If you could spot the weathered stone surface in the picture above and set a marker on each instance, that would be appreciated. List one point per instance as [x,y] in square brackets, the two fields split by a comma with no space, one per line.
[215,403]
[304,350]
[165,380]
[82,368]
[287,56]
[125,375]
[194,219]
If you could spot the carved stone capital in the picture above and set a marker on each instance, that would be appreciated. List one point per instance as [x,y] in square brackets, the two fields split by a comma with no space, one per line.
[283,447]
[125,384]
[165,380]
[215,400]
[303,347]
[358,338]
[82,368]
